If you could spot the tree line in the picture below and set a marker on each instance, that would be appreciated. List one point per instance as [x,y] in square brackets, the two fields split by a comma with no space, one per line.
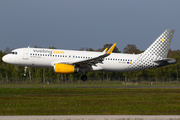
[12,73]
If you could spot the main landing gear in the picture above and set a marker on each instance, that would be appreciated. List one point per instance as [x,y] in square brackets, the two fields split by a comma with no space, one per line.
[83,77]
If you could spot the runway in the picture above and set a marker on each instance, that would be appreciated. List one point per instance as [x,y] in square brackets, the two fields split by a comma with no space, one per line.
[94,117]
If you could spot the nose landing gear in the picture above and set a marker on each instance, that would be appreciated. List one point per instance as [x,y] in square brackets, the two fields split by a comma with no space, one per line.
[25,70]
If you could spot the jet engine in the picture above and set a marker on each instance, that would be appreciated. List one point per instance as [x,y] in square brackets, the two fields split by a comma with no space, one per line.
[65,68]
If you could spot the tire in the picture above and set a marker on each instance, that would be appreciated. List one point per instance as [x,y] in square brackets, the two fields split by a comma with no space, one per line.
[83,77]
[24,74]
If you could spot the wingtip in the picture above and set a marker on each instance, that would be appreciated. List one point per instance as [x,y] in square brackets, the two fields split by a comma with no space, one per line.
[111,49]
[105,50]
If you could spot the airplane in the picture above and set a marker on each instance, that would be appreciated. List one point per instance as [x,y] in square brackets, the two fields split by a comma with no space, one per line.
[73,61]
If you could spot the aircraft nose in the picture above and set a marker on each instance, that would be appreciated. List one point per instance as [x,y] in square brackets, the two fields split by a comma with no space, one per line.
[5,58]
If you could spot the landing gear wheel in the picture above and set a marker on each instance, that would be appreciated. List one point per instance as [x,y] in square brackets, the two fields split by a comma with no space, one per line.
[24,74]
[83,77]
[25,69]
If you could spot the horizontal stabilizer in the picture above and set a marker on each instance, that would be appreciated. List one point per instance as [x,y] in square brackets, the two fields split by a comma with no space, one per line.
[166,60]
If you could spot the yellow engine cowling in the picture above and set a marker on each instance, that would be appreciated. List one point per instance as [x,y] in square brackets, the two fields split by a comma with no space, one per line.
[65,68]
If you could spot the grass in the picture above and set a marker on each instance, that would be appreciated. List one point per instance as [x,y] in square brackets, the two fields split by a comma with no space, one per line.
[89,101]
[102,85]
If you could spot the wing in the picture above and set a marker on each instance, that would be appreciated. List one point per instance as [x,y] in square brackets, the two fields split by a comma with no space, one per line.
[93,61]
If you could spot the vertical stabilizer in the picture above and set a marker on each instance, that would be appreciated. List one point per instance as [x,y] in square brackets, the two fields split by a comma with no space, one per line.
[160,47]
[155,55]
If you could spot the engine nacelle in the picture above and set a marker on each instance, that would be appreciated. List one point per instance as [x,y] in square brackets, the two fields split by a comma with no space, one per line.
[65,68]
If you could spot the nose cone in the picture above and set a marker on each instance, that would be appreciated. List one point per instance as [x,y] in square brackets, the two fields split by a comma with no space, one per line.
[5,58]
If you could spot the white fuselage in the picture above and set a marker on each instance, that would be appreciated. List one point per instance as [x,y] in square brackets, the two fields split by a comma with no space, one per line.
[71,61]
[38,57]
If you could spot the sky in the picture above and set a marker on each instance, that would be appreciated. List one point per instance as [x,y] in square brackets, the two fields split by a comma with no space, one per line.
[73,24]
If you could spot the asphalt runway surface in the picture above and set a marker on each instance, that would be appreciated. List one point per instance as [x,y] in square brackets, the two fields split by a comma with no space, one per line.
[94,117]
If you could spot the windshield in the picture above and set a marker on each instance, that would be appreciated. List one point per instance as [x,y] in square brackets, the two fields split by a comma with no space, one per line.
[15,53]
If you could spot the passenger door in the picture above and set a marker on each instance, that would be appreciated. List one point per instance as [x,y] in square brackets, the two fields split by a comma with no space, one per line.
[26,55]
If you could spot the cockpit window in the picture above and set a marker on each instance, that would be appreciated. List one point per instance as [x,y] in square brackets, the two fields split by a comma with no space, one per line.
[15,53]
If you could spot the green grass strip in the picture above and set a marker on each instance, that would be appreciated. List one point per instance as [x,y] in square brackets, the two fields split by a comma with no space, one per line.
[89,101]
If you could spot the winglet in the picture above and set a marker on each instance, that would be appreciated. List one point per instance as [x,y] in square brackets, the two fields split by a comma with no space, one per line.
[111,49]
[105,50]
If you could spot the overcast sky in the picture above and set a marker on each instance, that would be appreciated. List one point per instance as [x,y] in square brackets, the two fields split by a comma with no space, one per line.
[72,24]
